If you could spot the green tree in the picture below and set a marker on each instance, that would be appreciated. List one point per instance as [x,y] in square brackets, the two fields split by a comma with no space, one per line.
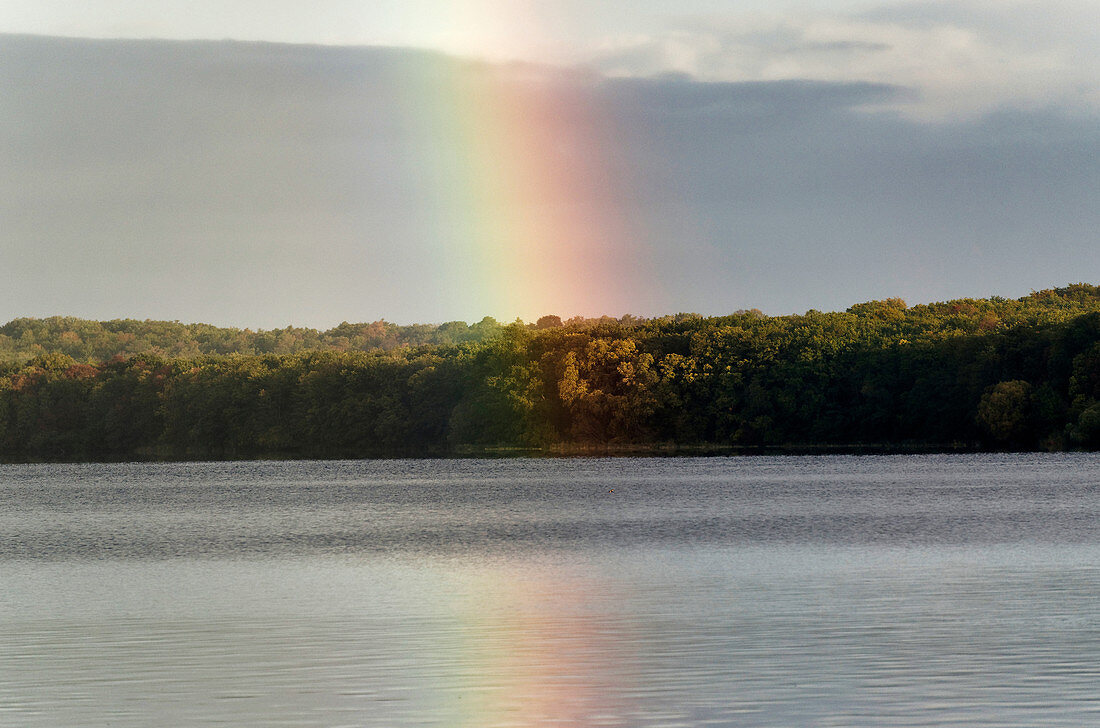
[1004,410]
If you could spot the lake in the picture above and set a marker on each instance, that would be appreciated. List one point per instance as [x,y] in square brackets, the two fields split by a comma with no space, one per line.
[789,591]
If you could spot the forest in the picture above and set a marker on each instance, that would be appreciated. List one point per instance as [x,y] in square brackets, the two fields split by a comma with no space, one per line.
[962,375]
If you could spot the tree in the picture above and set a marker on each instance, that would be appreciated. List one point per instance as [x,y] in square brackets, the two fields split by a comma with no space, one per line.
[608,390]
[1004,410]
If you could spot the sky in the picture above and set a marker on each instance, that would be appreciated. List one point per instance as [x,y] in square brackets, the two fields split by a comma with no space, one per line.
[272,163]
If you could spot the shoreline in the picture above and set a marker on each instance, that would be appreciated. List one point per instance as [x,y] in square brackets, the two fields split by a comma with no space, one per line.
[555,451]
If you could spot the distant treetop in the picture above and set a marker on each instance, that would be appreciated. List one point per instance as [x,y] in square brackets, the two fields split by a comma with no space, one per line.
[22,339]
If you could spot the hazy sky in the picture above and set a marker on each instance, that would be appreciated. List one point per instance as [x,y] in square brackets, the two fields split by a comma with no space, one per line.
[660,157]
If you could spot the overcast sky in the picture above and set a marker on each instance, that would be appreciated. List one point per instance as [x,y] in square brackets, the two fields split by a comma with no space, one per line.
[784,156]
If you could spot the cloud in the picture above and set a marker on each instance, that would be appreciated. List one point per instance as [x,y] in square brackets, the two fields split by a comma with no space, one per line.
[966,57]
[754,106]
[259,184]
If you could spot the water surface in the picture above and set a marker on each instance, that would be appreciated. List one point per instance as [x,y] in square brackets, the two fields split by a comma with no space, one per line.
[797,591]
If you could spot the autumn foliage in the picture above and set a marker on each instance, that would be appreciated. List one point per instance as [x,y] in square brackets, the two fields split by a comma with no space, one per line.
[967,374]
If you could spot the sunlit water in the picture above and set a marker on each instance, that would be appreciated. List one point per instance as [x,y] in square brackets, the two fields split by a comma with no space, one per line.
[818,591]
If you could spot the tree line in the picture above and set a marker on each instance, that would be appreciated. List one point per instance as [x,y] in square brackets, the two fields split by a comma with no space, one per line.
[23,339]
[967,374]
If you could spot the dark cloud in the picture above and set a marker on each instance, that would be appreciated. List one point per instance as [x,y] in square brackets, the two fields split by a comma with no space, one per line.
[679,96]
[817,204]
[262,184]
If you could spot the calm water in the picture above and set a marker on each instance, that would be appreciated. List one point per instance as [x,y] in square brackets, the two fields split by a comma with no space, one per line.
[818,591]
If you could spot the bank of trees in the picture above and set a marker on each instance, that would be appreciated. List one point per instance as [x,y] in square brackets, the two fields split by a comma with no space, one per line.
[23,339]
[974,373]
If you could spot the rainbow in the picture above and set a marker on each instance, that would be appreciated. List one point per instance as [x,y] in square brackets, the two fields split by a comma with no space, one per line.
[524,199]
[539,651]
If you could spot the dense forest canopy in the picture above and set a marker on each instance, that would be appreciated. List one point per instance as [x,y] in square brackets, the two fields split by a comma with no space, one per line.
[965,374]
[94,341]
